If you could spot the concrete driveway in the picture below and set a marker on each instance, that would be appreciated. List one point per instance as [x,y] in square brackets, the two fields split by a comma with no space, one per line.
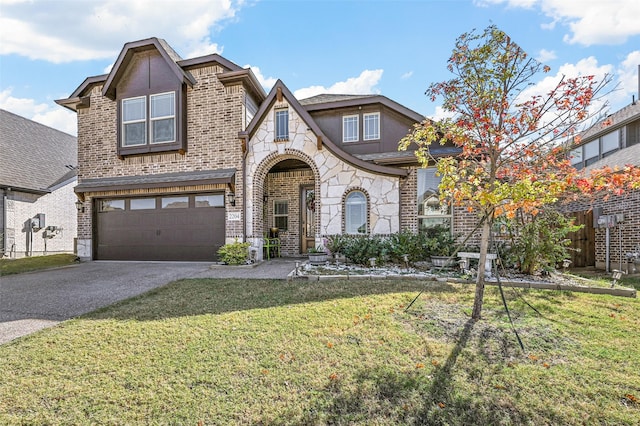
[32,301]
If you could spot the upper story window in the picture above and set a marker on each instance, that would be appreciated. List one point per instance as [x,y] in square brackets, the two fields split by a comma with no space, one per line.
[371,124]
[595,150]
[163,118]
[350,128]
[134,121]
[159,128]
[282,124]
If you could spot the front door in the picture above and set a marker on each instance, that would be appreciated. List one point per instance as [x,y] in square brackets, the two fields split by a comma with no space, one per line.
[308,218]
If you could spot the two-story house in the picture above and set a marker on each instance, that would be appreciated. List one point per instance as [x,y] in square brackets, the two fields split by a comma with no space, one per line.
[177,157]
[611,224]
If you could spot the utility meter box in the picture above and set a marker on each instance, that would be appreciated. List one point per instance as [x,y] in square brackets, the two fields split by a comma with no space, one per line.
[38,221]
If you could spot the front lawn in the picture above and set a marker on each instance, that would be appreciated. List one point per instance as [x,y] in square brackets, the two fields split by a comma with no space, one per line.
[34,263]
[337,352]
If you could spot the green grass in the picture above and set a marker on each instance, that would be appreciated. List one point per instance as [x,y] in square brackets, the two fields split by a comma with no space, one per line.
[26,264]
[340,352]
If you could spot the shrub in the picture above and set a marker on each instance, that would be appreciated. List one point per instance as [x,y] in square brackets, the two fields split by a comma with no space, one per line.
[360,248]
[235,253]
[406,242]
[539,242]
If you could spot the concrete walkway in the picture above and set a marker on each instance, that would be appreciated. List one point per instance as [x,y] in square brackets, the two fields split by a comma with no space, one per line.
[32,301]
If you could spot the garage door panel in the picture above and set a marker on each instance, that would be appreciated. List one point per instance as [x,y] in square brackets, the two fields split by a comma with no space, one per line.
[189,234]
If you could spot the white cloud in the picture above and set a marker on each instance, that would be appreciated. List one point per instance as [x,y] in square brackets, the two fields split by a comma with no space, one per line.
[266,82]
[593,22]
[48,30]
[407,75]
[628,77]
[49,115]
[364,84]
[546,55]
[440,114]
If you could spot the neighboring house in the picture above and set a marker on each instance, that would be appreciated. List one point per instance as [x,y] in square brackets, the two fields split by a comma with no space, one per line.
[37,177]
[614,141]
[178,157]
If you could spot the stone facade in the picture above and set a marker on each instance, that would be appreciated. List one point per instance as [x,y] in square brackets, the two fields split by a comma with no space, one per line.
[332,177]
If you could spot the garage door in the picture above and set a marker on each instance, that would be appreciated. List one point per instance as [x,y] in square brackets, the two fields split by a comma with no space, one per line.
[179,227]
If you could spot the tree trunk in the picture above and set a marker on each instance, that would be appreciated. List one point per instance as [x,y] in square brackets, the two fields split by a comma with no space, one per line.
[484,247]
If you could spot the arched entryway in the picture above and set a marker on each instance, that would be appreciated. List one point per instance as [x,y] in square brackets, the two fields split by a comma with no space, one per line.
[287,198]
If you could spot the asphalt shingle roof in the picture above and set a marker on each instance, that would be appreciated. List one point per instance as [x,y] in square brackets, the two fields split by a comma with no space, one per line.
[32,155]
[327,97]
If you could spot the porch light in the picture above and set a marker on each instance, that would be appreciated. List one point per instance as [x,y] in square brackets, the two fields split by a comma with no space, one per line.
[231,198]
[80,206]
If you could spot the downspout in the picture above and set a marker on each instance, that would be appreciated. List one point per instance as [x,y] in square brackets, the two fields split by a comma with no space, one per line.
[5,240]
[244,141]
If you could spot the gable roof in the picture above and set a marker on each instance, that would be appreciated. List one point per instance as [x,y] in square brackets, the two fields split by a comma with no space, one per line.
[34,157]
[333,101]
[265,107]
[180,67]
[126,54]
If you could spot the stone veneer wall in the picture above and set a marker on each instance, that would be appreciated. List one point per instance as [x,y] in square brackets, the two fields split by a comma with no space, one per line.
[333,179]
[214,117]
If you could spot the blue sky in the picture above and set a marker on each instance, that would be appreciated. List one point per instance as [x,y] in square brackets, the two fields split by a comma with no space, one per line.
[394,48]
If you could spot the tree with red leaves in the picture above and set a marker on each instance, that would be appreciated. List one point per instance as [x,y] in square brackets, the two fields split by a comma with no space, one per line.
[512,152]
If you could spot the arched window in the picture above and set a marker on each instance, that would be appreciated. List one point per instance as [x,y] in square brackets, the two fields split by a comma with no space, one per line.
[355,216]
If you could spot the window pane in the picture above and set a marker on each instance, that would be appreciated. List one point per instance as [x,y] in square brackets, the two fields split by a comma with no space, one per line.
[576,156]
[175,202]
[282,124]
[111,205]
[213,200]
[134,134]
[133,109]
[163,105]
[591,149]
[280,207]
[425,223]
[371,126]
[281,222]
[356,213]
[427,188]
[142,204]
[163,130]
[350,128]
[610,142]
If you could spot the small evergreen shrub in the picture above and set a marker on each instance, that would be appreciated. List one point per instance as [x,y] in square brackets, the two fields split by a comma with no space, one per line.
[235,253]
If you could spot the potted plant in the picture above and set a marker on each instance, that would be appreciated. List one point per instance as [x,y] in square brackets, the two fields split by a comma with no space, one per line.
[317,255]
[442,246]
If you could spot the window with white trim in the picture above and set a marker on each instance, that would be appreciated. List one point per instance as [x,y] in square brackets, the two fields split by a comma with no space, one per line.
[350,128]
[282,124]
[431,211]
[371,123]
[355,213]
[155,123]
[134,121]
[281,214]
[163,117]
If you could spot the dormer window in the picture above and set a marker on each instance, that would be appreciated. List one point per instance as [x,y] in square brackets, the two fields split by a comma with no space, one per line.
[371,123]
[350,128]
